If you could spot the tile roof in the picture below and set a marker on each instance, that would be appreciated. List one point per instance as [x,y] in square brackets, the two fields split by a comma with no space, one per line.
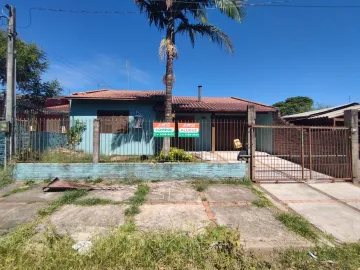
[207,104]
[217,104]
[118,94]
[59,108]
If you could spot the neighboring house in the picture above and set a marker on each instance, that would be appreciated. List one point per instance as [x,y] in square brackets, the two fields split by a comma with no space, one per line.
[127,118]
[333,116]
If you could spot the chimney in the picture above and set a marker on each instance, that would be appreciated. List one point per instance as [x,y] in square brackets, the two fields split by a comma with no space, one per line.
[199,93]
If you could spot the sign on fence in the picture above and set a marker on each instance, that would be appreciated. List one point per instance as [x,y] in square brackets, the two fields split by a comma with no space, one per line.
[164,130]
[189,130]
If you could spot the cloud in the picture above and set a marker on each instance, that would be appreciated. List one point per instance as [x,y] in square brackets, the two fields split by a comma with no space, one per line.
[100,71]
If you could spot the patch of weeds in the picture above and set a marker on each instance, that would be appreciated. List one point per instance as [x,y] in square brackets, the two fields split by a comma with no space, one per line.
[126,248]
[93,201]
[245,182]
[175,155]
[29,182]
[19,190]
[155,181]
[262,202]
[298,224]
[11,242]
[132,210]
[67,156]
[5,177]
[204,199]
[47,181]
[94,181]
[344,256]
[69,197]
[136,200]
[201,185]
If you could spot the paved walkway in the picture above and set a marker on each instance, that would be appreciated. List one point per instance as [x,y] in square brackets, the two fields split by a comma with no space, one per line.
[332,207]
[271,167]
[169,206]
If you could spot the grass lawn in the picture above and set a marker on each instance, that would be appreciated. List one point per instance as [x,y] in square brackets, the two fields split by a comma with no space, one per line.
[128,248]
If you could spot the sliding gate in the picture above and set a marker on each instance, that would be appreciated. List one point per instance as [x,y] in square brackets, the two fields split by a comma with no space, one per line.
[300,153]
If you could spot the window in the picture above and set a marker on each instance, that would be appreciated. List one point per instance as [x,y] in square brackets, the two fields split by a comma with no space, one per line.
[113,121]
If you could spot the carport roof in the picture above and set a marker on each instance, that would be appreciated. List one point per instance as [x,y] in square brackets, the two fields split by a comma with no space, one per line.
[331,112]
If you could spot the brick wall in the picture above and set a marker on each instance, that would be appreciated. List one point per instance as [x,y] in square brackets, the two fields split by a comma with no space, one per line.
[162,171]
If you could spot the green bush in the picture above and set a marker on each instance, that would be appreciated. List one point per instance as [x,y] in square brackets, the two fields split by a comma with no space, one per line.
[175,155]
[74,135]
[5,176]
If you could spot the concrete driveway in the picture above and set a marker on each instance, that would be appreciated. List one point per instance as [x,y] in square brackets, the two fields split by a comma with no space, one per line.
[332,207]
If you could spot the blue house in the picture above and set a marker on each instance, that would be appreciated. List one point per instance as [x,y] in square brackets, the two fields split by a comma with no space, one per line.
[127,117]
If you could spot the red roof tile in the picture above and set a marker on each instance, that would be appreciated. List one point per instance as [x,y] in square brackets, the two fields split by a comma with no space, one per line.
[207,104]
[217,104]
[60,108]
[118,94]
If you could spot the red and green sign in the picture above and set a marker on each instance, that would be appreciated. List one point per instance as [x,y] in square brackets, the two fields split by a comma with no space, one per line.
[162,130]
[189,130]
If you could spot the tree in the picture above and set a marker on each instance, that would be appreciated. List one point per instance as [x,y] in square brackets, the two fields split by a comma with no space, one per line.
[173,17]
[320,106]
[31,63]
[294,105]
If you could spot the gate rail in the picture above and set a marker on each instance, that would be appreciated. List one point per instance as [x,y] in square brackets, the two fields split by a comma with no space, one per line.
[300,153]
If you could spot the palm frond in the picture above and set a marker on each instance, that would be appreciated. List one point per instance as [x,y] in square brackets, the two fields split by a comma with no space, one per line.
[194,7]
[215,34]
[154,11]
[232,8]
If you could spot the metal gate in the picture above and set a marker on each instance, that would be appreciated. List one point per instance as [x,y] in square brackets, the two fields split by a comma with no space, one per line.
[300,153]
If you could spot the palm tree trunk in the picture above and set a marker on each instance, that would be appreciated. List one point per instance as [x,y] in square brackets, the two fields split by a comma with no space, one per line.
[169,80]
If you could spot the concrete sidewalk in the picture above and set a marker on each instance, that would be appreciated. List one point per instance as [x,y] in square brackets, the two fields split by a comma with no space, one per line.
[332,207]
[169,206]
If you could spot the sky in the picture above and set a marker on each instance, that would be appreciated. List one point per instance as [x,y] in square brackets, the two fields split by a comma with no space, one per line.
[280,52]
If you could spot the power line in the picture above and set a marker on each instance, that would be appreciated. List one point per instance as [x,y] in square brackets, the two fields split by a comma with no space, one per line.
[245,4]
[273,4]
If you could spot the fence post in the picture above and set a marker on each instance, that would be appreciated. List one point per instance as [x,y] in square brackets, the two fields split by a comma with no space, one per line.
[96,141]
[351,120]
[251,139]
[213,133]
[302,155]
[310,153]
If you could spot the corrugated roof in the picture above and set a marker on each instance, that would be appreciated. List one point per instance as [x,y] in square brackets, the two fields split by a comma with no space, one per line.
[207,104]
[337,113]
[323,113]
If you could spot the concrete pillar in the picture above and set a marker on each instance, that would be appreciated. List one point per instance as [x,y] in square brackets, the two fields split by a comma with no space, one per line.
[251,139]
[251,117]
[96,141]
[351,120]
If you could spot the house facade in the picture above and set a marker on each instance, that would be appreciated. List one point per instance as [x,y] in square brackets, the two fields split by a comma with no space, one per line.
[127,117]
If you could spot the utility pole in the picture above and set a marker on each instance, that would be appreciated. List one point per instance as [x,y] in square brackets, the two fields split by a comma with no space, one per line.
[11,82]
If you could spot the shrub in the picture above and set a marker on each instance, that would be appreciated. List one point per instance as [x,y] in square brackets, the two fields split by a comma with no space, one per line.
[175,155]
[5,177]
[74,135]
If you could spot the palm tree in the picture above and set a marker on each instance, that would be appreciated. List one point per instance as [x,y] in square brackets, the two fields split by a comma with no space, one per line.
[173,17]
